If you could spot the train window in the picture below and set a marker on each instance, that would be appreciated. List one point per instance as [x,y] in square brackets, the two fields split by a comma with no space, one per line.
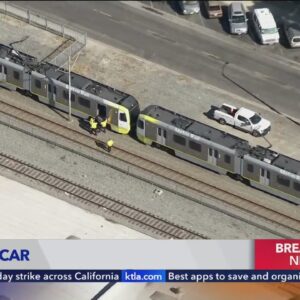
[0,68]
[141,124]
[268,174]
[262,172]
[16,75]
[54,90]
[123,117]
[84,102]
[250,168]
[165,134]
[49,88]
[195,146]
[297,186]
[66,95]
[5,70]
[227,158]
[216,154]
[159,131]
[210,152]
[38,83]
[283,181]
[179,139]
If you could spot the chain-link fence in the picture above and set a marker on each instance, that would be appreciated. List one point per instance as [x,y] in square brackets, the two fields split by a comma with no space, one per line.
[46,23]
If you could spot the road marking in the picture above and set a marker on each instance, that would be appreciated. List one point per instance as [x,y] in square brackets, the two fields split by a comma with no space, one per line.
[161,36]
[102,12]
[211,55]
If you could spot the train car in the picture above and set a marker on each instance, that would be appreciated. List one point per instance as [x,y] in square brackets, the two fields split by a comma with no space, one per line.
[51,85]
[273,173]
[214,149]
[192,140]
[15,67]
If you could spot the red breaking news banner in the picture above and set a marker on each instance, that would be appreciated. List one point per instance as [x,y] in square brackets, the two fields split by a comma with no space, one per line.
[277,254]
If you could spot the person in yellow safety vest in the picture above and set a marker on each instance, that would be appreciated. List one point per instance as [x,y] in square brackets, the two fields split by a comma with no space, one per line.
[93,125]
[109,144]
[103,124]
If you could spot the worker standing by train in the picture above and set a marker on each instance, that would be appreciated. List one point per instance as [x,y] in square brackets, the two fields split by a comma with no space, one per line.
[102,122]
[103,125]
[93,126]
[109,145]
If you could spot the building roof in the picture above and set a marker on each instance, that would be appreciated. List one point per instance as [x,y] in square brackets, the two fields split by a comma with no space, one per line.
[197,128]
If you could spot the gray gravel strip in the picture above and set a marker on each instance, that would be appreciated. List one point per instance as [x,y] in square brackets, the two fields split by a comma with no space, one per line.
[136,192]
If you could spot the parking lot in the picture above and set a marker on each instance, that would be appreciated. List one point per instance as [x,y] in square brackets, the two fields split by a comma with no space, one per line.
[281,10]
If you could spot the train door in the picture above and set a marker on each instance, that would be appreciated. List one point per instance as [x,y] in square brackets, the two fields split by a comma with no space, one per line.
[51,93]
[212,156]
[102,111]
[264,177]
[141,128]
[2,73]
[161,136]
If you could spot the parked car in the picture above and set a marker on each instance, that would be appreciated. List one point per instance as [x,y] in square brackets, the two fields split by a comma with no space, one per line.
[213,9]
[237,18]
[265,26]
[189,7]
[292,33]
[242,118]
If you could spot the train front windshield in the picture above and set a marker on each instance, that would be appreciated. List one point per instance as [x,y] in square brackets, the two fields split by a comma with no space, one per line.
[133,107]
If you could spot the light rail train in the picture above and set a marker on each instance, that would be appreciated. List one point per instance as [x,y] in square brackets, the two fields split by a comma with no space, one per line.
[191,140]
[51,85]
[221,152]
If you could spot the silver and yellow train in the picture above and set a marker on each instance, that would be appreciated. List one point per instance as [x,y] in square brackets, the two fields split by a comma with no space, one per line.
[51,85]
[221,152]
[189,139]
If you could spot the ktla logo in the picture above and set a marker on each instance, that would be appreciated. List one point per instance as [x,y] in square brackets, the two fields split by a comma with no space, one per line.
[14,255]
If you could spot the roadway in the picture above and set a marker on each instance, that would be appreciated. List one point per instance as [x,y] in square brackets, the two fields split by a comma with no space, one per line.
[198,54]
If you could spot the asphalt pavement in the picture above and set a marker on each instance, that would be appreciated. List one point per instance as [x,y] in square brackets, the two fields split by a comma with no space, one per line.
[216,59]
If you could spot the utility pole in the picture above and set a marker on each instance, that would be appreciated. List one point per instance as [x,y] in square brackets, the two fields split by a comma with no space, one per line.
[70,83]
[70,106]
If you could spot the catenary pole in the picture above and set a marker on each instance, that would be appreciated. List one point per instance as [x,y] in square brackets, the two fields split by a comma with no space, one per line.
[70,112]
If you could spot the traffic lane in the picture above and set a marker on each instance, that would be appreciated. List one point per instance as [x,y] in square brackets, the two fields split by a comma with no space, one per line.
[265,90]
[159,45]
[156,45]
[131,27]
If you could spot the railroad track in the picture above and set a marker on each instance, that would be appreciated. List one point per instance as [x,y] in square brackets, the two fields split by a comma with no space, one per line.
[280,220]
[151,224]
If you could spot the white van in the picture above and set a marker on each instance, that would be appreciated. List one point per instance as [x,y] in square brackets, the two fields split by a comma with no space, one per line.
[265,26]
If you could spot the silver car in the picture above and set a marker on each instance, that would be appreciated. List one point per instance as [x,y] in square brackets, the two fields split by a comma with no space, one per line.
[237,18]
[292,33]
[189,7]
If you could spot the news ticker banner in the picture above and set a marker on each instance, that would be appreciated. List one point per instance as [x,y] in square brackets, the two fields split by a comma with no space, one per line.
[149,261]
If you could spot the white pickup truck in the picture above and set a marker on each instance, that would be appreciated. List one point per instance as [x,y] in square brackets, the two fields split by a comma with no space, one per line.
[243,119]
